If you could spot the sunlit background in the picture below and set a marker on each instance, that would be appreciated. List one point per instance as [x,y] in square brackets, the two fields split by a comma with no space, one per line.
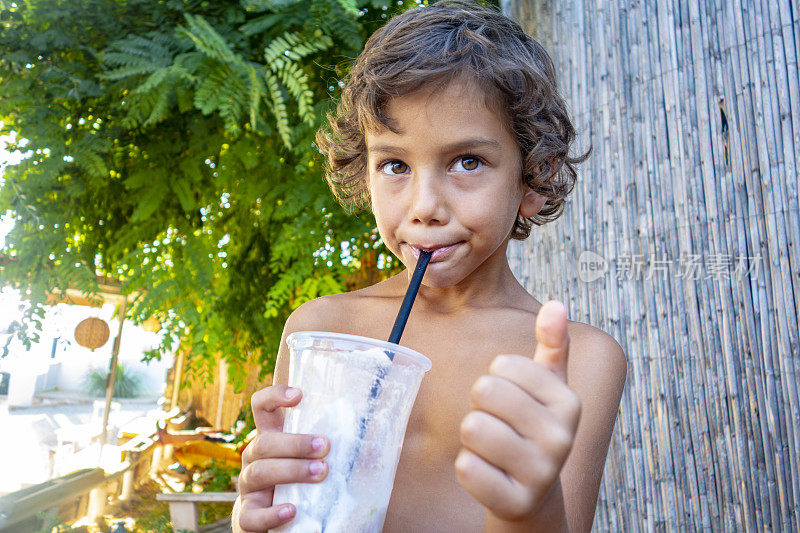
[47,418]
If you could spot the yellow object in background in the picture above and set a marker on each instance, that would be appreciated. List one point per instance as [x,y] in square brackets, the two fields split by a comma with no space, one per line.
[200,452]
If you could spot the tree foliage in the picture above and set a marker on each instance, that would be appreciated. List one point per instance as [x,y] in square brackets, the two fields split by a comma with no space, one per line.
[170,146]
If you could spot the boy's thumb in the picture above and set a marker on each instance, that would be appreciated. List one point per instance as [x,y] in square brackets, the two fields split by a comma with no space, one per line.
[552,348]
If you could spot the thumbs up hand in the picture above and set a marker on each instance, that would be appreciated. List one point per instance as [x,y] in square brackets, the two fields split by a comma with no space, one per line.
[521,425]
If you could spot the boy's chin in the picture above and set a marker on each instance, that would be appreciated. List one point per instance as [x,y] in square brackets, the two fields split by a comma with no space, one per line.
[437,278]
[437,284]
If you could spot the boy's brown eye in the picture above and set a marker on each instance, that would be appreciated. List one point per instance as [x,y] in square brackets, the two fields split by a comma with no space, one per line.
[397,167]
[470,163]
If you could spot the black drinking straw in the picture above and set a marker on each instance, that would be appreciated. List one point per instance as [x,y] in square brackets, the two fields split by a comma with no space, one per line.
[394,337]
[408,299]
[397,332]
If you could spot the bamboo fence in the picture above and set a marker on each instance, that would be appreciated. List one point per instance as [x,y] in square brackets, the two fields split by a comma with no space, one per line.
[690,202]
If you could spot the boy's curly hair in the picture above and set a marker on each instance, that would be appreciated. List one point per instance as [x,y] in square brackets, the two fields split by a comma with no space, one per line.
[434,45]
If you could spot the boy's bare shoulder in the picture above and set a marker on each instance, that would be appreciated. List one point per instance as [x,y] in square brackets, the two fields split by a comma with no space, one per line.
[594,352]
[585,333]
[342,313]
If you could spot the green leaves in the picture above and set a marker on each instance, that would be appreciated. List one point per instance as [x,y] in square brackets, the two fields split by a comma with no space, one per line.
[150,203]
[294,47]
[207,40]
[233,85]
[171,147]
[223,90]
[282,55]
[136,55]
[185,195]
[279,108]
[349,6]
[260,24]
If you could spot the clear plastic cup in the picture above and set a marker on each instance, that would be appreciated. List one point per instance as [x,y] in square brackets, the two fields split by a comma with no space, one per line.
[359,398]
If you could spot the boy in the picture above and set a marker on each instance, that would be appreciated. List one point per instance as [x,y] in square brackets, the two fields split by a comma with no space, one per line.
[451,130]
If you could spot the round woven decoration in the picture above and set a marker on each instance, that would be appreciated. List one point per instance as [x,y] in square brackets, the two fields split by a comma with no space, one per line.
[92,333]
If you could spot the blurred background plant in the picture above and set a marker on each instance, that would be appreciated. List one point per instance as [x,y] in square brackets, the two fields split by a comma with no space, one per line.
[127,384]
[214,477]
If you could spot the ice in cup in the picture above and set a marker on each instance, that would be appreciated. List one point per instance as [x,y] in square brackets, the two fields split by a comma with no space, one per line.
[359,398]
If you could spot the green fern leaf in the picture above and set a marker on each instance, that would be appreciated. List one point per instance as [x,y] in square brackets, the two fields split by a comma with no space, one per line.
[260,25]
[275,52]
[186,65]
[184,96]
[184,193]
[153,80]
[296,82]
[211,93]
[257,91]
[148,205]
[159,109]
[349,6]
[127,72]
[91,162]
[294,47]
[258,6]
[207,40]
[344,27]
[279,108]
[138,55]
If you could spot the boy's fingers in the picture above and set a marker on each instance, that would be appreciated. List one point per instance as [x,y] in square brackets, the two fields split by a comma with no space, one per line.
[552,348]
[275,444]
[533,379]
[497,443]
[256,519]
[267,473]
[266,404]
[489,485]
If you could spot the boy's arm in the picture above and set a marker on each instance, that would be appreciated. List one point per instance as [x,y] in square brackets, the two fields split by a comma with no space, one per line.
[597,374]
[597,369]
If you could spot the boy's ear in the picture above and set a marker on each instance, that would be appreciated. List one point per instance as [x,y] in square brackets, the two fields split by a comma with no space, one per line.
[531,203]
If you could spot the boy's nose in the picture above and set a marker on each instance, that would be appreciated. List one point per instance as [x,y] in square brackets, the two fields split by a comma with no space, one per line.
[427,203]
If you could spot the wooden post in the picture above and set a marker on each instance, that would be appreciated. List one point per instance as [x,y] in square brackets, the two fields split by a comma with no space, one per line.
[184,516]
[97,503]
[112,374]
[536,17]
[127,484]
[167,452]
[176,380]
[223,382]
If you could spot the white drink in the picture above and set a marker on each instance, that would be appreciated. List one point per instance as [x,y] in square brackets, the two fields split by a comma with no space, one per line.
[359,398]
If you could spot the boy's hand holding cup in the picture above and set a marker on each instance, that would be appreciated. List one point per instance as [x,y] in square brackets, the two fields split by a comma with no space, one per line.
[274,457]
[522,424]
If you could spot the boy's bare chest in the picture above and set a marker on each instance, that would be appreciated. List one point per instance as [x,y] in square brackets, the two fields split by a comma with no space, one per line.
[425,484]
[459,355]
[457,362]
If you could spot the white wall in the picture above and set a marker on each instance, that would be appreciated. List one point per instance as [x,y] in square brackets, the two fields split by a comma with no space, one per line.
[73,362]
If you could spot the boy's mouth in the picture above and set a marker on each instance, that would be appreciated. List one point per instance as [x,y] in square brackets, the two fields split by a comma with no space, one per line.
[440,251]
